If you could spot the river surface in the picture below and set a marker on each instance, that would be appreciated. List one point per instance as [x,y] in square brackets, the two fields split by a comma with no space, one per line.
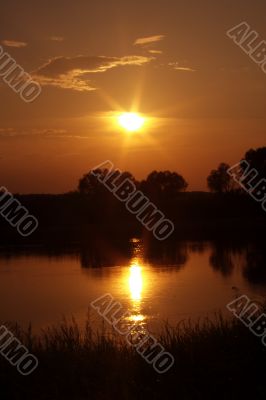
[188,281]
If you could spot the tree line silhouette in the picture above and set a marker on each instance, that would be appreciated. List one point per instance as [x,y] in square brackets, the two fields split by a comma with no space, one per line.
[165,184]
[219,181]
[93,211]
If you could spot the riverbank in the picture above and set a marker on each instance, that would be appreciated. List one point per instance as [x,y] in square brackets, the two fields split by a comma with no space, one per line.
[213,360]
[72,219]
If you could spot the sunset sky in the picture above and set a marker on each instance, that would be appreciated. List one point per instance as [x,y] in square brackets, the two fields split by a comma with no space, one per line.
[169,60]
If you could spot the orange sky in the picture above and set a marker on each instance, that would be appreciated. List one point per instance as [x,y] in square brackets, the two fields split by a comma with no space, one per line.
[170,60]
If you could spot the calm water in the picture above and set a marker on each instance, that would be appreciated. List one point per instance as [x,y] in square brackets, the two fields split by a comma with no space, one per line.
[185,280]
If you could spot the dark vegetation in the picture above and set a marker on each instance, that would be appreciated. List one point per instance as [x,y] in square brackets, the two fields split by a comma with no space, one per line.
[75,217]
[213,360]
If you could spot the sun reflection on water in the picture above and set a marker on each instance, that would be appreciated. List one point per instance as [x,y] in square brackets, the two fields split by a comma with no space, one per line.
[136,283]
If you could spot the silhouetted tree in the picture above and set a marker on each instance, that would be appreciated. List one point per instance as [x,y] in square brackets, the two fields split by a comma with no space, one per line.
[250,170]
[126,175]
[90,183]
[164,184]
[219,181]
[257,160]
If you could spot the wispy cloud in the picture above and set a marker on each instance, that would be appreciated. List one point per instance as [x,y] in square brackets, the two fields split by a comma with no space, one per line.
[155,52]
[35,133]
[177,67]
[148,40]
[12,132]
[185,69]
[74,72]
[14,43]
[57,38]
[6,131]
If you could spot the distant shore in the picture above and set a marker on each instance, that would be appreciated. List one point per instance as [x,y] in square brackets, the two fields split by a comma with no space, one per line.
[73,218]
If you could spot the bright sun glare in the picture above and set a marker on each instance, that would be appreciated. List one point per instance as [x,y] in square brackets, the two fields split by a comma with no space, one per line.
[131,122]
[135,282]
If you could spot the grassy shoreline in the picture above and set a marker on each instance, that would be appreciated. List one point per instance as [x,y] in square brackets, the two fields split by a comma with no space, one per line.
[213,359]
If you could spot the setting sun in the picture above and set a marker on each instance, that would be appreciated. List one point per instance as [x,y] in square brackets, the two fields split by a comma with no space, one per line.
[131,122]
